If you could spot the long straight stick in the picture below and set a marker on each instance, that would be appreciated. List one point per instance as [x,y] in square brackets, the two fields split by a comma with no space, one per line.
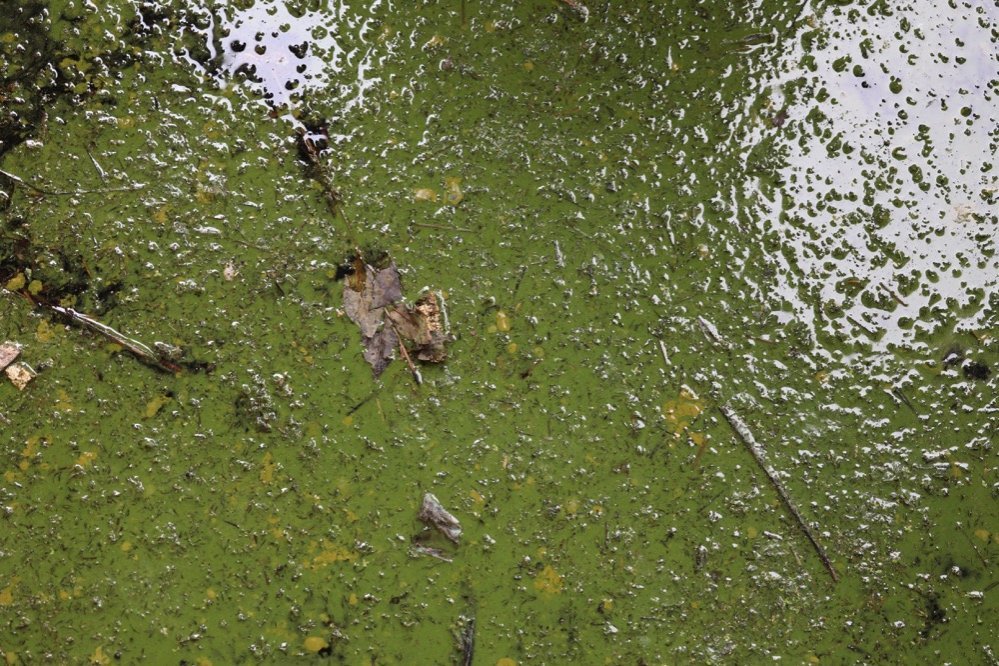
[746,435]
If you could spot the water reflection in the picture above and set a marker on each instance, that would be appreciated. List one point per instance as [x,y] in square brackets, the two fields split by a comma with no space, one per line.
[888,192]
[284,52]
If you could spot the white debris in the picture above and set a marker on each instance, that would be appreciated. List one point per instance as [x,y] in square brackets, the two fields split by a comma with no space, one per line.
[432,512]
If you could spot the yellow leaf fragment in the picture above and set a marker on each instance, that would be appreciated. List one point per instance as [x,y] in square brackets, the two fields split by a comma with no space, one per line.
[424,194]
[64,403]
[7,593]
[548,581]
[16,283]
[332,553]
[154,405]
[681,411]
[99,658]
[434,42]
[45,331]
[315,644]
[29,451]
[161,215]
[452,191]
[86,459]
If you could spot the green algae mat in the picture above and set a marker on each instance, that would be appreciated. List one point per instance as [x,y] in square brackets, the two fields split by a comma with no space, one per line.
[497,333]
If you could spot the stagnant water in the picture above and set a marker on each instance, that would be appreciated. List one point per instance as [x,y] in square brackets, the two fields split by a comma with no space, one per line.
[634,214]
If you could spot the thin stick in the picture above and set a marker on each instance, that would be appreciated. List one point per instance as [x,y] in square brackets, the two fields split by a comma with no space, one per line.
[137,348]
[443,227]
[334,200]
[69,193]
[662,348]
[975,548]
[744,433]
[417,377]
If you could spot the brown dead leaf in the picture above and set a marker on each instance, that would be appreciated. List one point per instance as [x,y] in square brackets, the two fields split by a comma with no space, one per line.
[365,298]
[372,300]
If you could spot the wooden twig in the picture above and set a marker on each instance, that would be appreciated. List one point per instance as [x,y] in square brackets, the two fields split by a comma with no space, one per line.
[138,349]
[332,196]
[897,392]
[744,433]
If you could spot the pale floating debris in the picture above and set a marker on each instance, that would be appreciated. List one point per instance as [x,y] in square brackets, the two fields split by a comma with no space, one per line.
[578,8]
[433,513]
[711,332]
[935,456]
[20,374]
[429,551]
[9,351]
[700,557]
[665,353]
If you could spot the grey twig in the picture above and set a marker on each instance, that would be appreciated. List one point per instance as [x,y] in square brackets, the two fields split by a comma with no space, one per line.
[746,435]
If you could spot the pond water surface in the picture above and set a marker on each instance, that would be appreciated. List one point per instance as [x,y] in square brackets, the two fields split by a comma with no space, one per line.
[635,214]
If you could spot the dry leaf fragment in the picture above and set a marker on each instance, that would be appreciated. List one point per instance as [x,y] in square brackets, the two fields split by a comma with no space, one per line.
[420,326]
[9,351]
[20,374]
[432,347]
[433,513]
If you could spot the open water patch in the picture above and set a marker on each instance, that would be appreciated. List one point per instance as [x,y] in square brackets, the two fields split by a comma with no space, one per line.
[285,53]
[893,229]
